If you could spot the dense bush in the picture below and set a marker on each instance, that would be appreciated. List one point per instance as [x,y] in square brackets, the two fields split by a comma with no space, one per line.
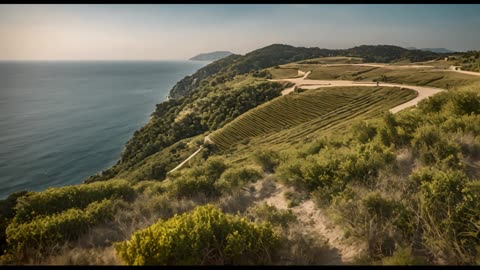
[267,159]
[203,236]
[47,231]
[190,187]
[200,180]
[470,61]
[432,146]
[364,132]
[236,177]
[271,214]
[467,102]
[7,212]
[56,200]
[450,207]
[404,256]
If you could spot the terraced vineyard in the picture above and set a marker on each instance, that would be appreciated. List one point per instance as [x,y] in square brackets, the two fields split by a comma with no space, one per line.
[298,114]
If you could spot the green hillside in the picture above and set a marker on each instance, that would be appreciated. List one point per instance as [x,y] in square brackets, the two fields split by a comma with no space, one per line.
[319,176]
[315,109]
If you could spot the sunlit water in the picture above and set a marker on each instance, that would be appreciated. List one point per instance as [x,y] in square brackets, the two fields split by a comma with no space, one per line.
[61,122]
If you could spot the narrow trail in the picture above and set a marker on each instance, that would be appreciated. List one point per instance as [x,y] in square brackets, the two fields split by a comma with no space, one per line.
[314,221]
[206,140]
[186,160]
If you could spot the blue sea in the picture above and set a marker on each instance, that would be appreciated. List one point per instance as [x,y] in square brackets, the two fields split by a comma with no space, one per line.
[61,122]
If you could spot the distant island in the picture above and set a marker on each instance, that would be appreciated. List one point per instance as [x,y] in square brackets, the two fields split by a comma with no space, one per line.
[211,56]
[435,50]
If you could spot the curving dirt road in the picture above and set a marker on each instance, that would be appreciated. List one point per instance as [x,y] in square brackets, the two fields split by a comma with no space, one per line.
[467,72]
[379,65]
[387,66]
[423,91]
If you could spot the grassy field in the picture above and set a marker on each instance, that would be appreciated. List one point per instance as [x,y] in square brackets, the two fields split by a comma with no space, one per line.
[290,117]
[283,73]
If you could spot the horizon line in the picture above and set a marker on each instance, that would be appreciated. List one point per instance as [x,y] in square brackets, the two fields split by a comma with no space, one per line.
[96,60]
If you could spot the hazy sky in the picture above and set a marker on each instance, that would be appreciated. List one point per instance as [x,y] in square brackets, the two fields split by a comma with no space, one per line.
[154,32]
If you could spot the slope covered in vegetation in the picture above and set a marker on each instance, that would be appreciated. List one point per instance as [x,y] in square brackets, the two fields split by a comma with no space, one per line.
[312,108]
[405,186]
[230,79]
[470,61]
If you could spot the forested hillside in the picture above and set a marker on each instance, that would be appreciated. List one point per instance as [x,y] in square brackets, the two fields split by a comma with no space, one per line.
[235,95]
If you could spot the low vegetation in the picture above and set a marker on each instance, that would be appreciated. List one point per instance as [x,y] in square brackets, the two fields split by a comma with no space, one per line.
[469,61]
[203,236]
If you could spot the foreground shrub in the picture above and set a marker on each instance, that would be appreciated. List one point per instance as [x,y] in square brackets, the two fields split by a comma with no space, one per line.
[403,256]
[47,231]
[204,236]
[188,187]
[431,146]
[267,159]
[236,177]
[364,132]
[271,214]
[56,200]
[467,102]
[7,212]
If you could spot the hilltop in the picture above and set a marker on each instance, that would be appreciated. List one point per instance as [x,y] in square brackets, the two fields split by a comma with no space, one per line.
[211,56]
[435,50]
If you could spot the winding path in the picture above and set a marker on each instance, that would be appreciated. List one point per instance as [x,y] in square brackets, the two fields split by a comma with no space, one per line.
[423,91]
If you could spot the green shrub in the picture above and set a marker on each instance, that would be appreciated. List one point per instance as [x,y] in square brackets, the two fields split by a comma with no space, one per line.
[271,214]
[56,200]
[431,146]
[364,132]
[378,206]
[449,209]
[7,212]
[47,231]
[462,124]
[364,164]
[187,186]
[435,103]
[150,187]
[316,146]
[403,256]
[214,168]
[236,177]
[203,236]
[467,102]
[267,159]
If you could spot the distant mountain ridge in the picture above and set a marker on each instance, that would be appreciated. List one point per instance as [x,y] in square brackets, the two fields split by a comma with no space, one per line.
[435,50]
[211,56]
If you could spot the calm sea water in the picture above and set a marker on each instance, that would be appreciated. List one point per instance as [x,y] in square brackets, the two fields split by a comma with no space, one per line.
[61,122]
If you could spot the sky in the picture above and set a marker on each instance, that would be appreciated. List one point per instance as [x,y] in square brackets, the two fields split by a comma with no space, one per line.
[178,32]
